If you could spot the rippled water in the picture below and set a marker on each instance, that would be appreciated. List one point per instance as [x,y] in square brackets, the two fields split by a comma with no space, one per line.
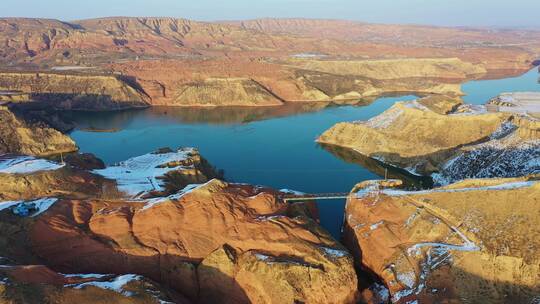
[272,146]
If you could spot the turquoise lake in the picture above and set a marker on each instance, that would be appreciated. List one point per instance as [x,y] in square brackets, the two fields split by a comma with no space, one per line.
[265,146]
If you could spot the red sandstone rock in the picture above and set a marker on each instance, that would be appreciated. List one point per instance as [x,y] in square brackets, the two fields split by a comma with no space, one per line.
[463,241]
[174,241]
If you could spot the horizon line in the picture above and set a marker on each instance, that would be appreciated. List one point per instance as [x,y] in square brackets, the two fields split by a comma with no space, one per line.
[500,27]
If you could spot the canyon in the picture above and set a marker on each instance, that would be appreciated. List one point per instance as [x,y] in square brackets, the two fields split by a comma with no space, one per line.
[117,63]
[168,225]
[205,242]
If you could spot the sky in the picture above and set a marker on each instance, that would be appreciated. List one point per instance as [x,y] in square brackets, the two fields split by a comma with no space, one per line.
[499,13]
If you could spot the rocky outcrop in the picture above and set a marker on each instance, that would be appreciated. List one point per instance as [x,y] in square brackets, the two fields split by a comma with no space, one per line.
[31,138]
[37,283]
[86,43]
[474,240]
[211,242]
[159,173]
[82,176]
[167,61]
[526,103]
[440,68]
[76,92]
[258,83]
[451,147]
[224,91]
[214,241]
[25,178]
[412,41]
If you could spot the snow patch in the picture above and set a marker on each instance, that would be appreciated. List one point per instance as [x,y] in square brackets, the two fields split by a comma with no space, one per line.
[270,217]
[414,104]
[335,253]
[117,284]
[470,109]
[407,278]
[384,120]
[506,186]
[501,157]
[26,165]
[263,257]
[156,201]
[504,130]
[289,191]
[381,291]
[139,175]
[309,55]
[86,276]
[29,208]
[376,225]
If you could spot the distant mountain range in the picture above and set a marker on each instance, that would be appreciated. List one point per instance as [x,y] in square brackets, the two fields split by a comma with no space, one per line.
[95,41]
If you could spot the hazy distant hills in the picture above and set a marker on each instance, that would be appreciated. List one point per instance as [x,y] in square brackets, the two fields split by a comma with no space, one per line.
[96,41]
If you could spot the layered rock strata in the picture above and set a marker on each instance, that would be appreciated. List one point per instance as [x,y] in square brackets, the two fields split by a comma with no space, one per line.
[467,143]
[75,92]
[19,136]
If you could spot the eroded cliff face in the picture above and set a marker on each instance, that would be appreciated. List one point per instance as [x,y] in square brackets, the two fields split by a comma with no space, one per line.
[252,63]
[494,50]
[23,279]
[19,136]
[441,68]
[468,143]
[83,176]
[223,91]
[75,92]
[474,240]
[262,83]
[94,42]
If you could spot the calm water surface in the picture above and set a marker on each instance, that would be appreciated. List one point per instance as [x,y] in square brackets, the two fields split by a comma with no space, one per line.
[265,146]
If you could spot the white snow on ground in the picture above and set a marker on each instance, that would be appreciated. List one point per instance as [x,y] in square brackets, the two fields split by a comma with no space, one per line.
[335,253]
[506,156]
[270,217]
[8,204]
[26,164]
[117,284]
[112,282]
[407,278]
[414,104]
[308,55]
[139,175]
[289,191]
[86,276]
[29,208]
[156,201]
[381,291]
[384,120]
[262,257]
[372,186]
[376,225]
[470,109]
[519,102]
[506,186]
[71,68]
[467,246]
[505,129]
